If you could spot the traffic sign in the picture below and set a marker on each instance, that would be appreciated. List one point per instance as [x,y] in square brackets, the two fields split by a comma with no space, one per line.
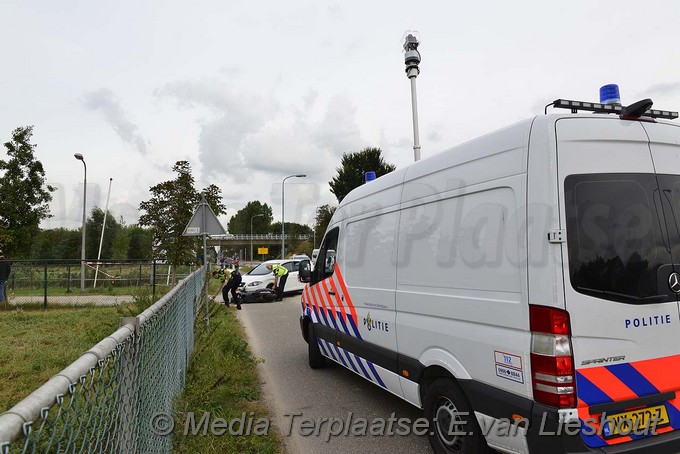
[204,221]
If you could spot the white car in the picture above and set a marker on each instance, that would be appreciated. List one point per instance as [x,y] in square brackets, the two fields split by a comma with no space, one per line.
[261,277]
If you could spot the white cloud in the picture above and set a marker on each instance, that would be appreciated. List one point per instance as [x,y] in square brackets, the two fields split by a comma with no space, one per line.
[663,89]
[234,115]
[105,101]
[338,131]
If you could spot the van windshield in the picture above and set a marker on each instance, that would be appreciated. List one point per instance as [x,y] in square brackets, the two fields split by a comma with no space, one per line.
[616,247]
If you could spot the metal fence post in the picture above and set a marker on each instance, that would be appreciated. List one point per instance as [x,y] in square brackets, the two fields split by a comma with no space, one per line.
[45,286]
[128,390]
[153,280]
[68,279]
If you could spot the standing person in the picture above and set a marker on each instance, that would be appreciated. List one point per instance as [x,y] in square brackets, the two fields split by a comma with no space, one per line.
[233,284]
[224,275]
[280,278]
[5,269]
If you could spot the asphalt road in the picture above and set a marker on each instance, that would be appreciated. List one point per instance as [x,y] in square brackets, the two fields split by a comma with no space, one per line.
[291,387]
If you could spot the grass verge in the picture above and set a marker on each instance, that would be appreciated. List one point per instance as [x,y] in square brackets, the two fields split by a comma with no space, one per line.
[222,380]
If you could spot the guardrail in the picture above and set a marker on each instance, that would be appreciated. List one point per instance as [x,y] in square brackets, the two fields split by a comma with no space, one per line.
[105,400]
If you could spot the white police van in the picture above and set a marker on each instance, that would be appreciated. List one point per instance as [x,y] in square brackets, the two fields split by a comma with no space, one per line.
[528,277]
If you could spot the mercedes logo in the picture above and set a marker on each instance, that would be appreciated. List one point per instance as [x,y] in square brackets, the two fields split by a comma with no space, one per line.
[674,282]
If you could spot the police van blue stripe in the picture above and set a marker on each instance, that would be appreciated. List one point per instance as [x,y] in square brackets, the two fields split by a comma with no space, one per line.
[349,360]
[375,373]
[329,347]
[588,392]
[322,346]
[342,360]
[363,369]
[323,314]
[354,327]
[342,322]
[332,316]
[674,415]
[633,379]
[323,310]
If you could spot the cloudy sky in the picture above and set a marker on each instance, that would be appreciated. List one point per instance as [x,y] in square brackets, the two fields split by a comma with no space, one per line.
[251,91]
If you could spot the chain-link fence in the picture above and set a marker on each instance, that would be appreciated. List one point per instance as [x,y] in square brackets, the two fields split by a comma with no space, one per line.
[70,282]
[116,396]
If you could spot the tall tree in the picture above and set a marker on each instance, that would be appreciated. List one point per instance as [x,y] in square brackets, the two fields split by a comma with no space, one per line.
[139,243]
[56,244]
[168,212]
[42,246]
[120,242]
[213,195]
[293,229]
[324,213]
[94,225]
[66,243]
[240,222]
[24,194]
[352,168]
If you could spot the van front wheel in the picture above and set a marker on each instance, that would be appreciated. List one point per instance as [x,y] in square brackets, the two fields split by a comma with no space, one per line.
[453,425]
[316,359]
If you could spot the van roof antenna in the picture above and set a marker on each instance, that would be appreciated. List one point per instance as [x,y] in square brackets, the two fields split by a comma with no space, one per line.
[637,109]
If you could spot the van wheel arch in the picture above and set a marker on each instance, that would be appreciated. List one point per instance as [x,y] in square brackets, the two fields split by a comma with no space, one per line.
[305,328]
[431,375]
[315,357]
[446,407]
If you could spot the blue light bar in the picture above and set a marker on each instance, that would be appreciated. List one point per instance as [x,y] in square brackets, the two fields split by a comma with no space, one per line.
[370,176]
[609,94]
[575,106]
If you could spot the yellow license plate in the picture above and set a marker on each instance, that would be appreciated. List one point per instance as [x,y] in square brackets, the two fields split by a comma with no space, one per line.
[644,421]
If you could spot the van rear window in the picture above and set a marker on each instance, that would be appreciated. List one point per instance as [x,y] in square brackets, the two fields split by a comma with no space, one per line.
[616,249]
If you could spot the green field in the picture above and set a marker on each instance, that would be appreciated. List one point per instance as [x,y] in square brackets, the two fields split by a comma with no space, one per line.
[35,344]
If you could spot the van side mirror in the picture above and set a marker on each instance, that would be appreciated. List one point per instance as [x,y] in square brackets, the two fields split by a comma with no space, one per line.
[305,271]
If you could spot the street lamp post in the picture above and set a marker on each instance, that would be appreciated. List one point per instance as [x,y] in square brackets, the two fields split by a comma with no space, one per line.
[283,229]
[251,234]
[80,157]
[412,60]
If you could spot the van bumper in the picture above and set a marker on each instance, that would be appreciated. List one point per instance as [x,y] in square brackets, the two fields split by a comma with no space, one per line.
[541,436]
[667,443]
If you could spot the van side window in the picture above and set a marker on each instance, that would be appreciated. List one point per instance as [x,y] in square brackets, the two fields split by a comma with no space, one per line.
[325,262]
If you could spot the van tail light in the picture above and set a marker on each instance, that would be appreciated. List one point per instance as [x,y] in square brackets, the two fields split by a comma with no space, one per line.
[552,364]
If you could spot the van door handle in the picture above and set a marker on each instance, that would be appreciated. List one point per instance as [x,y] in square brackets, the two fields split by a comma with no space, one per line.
[331,293]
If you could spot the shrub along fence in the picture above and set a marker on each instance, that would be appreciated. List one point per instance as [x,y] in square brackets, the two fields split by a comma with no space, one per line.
[58,282]
[116,396]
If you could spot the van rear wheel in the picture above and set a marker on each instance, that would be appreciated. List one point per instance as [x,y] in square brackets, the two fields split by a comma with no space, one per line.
[453,425]
[316,359]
